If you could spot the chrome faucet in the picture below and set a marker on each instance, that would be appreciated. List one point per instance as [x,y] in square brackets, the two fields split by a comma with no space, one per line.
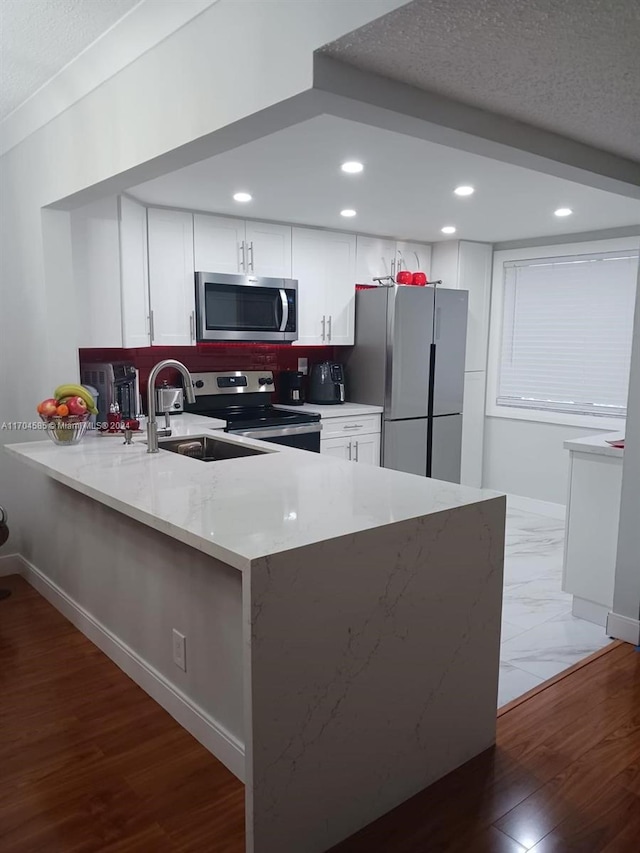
[152,426]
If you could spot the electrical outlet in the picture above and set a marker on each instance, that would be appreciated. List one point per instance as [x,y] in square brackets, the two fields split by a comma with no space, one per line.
[179,650]
[303,365]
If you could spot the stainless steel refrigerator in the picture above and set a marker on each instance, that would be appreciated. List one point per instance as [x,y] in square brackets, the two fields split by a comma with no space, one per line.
[409,357]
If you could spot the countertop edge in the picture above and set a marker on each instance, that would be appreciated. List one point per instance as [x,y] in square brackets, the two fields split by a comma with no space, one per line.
[216,552]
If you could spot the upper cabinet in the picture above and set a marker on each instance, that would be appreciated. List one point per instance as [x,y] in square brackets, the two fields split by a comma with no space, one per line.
[324,263]
[171,277]
[413,256]
[375,258]
[226,245]
[268,249]
[217,243]
[134,275]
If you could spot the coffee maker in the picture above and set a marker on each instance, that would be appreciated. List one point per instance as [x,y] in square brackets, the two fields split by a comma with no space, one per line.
[326,385]
[290,387]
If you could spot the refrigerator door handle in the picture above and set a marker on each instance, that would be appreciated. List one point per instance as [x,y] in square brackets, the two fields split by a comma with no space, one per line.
[438,318]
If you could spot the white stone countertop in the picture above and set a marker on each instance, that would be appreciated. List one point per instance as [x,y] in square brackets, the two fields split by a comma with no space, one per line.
[240,510]
[596,444]
[339,410]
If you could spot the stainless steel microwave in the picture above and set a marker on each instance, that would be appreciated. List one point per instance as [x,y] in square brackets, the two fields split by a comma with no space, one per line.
[245,308]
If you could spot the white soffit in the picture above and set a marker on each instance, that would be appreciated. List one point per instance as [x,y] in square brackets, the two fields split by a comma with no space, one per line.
[405,190]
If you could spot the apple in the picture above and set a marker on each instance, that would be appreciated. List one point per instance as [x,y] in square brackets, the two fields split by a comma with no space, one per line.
[48,407]
[62,411]
[76,406]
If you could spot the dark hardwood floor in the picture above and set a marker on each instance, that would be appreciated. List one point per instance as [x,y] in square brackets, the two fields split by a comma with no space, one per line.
[88,762]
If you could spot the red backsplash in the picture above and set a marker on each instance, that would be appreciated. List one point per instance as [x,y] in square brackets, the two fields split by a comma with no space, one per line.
[216,357]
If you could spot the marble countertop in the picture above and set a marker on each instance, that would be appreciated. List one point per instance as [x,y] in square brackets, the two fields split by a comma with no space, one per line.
[596,444]
[240,510]
[188,424]
[341,410]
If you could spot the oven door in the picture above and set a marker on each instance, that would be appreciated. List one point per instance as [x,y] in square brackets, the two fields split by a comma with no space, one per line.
[245,308]
[302,436]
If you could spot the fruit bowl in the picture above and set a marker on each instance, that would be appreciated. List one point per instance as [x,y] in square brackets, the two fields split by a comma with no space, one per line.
[65,430]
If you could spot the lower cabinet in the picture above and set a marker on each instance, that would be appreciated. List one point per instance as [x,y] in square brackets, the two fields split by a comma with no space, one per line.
[352,439]
[361,448]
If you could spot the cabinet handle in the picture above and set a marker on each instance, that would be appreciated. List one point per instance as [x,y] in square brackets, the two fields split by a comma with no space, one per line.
[357,451]
[329,332]
[352,426]
[324,326]
[192,326]
[349,451]
[242,258]
[152,332]
[251,267]
[393,267]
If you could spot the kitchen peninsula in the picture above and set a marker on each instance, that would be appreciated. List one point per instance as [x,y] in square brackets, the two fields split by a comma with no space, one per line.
[342,621]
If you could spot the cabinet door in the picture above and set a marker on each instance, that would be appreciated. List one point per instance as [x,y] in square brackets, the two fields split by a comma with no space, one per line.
[340,287]
[366,449]
[218,244]
[134,275]
[341,448]
[268,249]
[413,256]
[308,267]
[171,277]
[374,257]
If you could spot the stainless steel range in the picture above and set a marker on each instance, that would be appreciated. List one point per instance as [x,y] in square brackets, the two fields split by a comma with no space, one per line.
[243,400]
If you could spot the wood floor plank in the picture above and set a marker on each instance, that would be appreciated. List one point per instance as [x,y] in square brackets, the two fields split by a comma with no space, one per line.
[90,764]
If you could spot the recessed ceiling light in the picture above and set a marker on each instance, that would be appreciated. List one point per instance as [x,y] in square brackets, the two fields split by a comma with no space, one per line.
[464,190]
[347,212]
[563,211]
[448,229]
[352,167]
[242,196]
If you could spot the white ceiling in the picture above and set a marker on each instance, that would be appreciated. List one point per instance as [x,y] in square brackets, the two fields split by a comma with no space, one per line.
[405,191]
[39,37]
[570,66]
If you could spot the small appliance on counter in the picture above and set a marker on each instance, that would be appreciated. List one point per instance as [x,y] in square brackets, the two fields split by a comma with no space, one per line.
[115,383]
[290,384]
[169,398]
[326,384]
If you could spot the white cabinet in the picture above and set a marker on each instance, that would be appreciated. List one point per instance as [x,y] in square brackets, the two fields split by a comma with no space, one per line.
[134,275]
[375,257]
[171,277]
[324,265]
[354,438]
[473,429]
[268,249]
[340,448]
[413,256]
[226,245]
[593,513]
[218,243]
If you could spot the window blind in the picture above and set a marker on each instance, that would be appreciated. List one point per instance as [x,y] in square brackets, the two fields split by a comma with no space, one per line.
[566,334]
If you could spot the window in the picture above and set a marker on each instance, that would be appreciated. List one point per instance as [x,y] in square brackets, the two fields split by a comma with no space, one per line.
[567,328]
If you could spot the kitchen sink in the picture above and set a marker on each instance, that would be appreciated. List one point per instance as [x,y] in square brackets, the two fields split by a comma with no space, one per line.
[208,449]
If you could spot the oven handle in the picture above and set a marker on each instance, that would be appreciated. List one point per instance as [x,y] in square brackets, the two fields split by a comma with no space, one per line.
[285,309]
[276,432]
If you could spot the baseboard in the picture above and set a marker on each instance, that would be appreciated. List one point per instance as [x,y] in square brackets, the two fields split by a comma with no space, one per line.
[204,728]
[623,628]
[596,613]
[10,564]
[552,510]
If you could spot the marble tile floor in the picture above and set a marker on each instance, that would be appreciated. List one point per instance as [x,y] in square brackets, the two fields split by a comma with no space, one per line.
[540,637]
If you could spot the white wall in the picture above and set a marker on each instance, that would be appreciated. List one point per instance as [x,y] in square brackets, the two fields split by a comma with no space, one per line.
[524,456]
[527,459]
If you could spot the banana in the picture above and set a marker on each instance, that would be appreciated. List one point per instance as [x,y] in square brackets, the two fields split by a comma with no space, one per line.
[70,390]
